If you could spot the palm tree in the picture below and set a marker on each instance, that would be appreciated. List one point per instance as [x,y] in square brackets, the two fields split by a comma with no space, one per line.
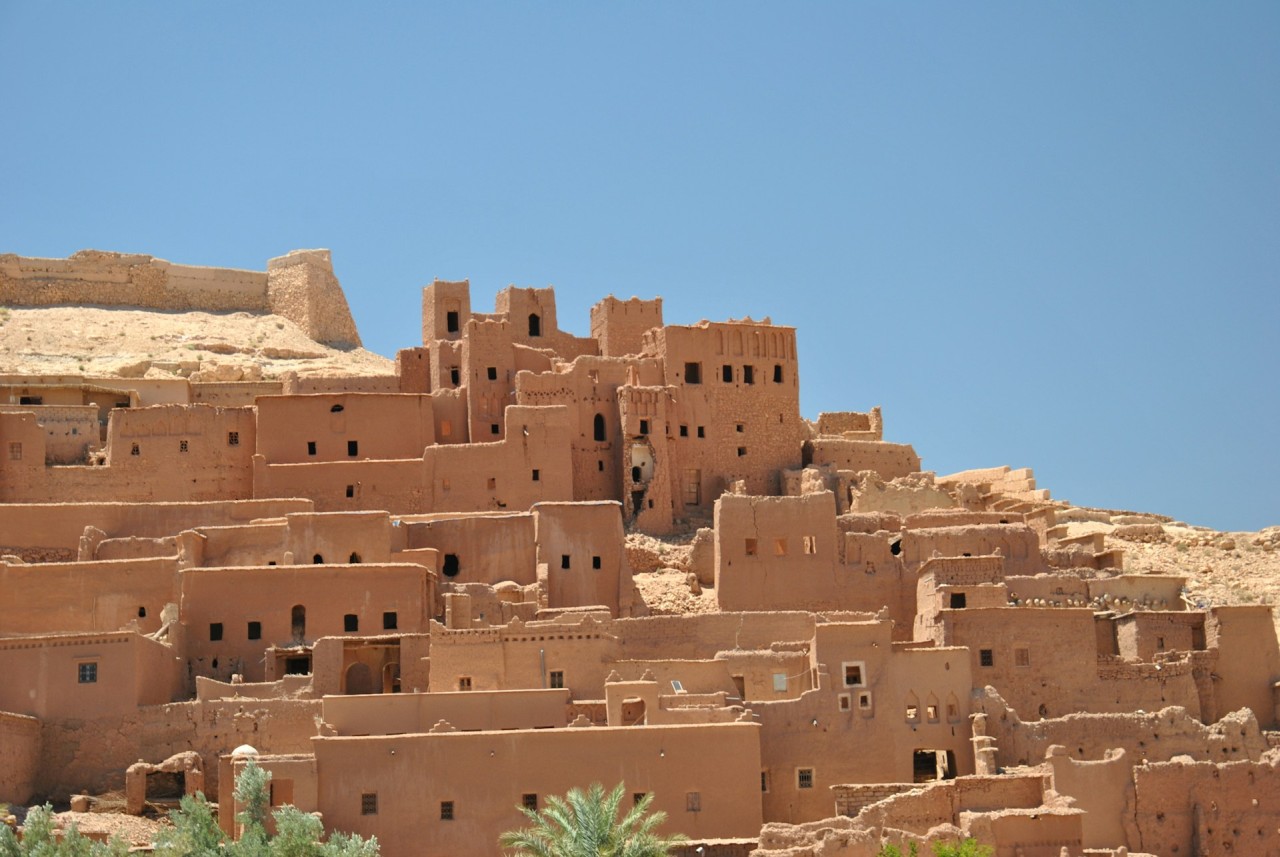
[586,824]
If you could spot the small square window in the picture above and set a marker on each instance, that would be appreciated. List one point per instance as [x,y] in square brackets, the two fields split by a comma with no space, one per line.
[351,491]
[369,803]
[255,631]
[182,446]
[311,447]
[779,547]
[492,372]
[529,801]
[233,438]
[134,450]
[739,428]
[537,475]
[957,601]
[693,802]
[215,632]
[15,450]
[751,547]
[464,682]
[845,703]
[353,448]
[684,431]
[451,321]
[748,374]
[564,560]
[1022,657]
[350,623]
[595,563]
[742,450]
[644,427]
[702,431]
[446,810]
[555,679]
[804,778]
[853,674]
[727,373]
[87,673]
[864,701]
[779,682]
[494,428]
[986,657]
[693,373]
[389,620]
[636,797]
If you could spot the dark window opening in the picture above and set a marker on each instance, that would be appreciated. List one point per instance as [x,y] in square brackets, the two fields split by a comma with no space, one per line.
[492,372]
[311,447]
[895,547]
[215,632]
[142,612]
[351,491]
[693,802]
[564,560]
[535,324]
[595,563]
[233,438]
[87,673]
[182,444]
[957,600]
[354,558]
[336,409]
[134,450]
[852,675]
[693,373]
[727,373]
[450,568]
[451,321]
[536,475]
[529,801]
[446,810]
[742,450]
[804,778]
[255,631]
[31,400]
[598,426]
[748,374]
[986,657]
[298,622]
[297,666]
[455,376]
[318,559]
[644,427]
[350,623]
[369,803]
[600,465]
[635,474]
[389,622]
[684,431]
[702,432]
[740,428]
[494,428]
[777,373]
[636,797]
[353,447]
[556,679]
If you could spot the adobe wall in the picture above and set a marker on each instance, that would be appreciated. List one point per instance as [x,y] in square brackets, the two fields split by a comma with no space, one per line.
[343,427]
[75,759]
[919,810]
[302,288]
[524,655]
[80,597]
[43,676]
[1248,663]
[1017,543]
[488,548]
[69,430]
[1186,807]
[1103,788]
[888,460]
[780,553]
[19,757]
[232,598]
[55,529]
[583,548]
[414,713]
[719,763]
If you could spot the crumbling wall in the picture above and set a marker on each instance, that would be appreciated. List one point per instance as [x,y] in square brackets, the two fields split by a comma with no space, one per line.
[301,287]
[19,757]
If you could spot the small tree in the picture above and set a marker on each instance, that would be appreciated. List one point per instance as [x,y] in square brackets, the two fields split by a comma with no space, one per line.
[586,824]
[40,839]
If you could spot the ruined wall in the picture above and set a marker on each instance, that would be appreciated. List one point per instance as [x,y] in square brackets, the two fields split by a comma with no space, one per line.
[69,430]
[619,326]
[888,460]
[302,288]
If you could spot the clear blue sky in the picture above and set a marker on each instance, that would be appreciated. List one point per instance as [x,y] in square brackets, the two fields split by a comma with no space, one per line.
[1040,234]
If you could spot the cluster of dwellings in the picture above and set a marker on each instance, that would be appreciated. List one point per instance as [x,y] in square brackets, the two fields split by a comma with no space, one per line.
[411,598]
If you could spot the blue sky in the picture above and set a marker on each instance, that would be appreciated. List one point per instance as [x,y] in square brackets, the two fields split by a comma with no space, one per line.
[1037,234]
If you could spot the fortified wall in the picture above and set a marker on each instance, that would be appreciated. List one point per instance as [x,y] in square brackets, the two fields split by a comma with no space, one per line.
[299,286]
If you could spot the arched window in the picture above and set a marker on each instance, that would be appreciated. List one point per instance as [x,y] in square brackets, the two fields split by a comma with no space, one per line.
[599,427]
[298,619]
[355,557]
[535,324]
[317,560]
[450,565]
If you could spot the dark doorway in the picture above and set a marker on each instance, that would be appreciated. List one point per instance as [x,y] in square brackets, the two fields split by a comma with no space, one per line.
[535,324]
[599,427]
[298,620]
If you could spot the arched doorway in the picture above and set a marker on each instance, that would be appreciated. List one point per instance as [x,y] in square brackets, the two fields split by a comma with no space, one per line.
[359,679]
